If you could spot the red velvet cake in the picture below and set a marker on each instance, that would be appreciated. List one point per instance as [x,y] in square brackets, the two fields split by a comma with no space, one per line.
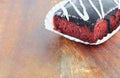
[87,20]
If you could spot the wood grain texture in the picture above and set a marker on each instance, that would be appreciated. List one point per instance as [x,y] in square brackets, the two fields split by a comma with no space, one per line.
[27,50]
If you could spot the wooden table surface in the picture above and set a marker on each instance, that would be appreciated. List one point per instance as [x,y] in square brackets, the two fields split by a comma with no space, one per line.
[27,50]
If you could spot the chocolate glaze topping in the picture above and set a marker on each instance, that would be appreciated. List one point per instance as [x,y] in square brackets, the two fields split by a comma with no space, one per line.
[88,12]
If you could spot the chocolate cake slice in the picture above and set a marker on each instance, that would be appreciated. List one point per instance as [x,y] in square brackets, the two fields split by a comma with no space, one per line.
[88,20]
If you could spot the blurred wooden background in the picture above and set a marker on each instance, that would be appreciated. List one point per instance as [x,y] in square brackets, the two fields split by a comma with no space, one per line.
[27,50]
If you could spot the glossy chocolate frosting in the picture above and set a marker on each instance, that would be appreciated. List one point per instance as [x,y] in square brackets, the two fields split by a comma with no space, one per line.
[88,12]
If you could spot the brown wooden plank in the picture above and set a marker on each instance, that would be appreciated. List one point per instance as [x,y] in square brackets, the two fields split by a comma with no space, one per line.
[27,50]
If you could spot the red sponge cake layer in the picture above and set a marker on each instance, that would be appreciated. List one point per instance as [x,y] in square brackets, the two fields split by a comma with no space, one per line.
[83,32]
[115,20]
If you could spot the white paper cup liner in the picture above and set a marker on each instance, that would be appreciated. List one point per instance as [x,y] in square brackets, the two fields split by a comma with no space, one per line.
[50,26]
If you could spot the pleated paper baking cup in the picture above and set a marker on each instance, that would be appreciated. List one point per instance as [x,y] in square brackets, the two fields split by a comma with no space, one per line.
[50,26]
